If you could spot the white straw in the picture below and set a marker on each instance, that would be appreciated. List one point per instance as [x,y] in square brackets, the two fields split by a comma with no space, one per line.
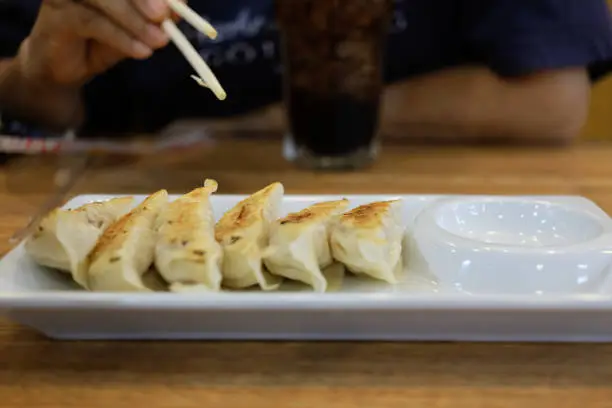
[193,18]
[192,56]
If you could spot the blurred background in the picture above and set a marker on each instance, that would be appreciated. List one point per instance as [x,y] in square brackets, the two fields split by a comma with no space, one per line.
[599,125]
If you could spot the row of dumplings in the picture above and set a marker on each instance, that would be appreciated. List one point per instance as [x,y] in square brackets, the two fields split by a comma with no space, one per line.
[107,247]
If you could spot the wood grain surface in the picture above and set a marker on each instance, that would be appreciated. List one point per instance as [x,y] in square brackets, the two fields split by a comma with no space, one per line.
[38,372]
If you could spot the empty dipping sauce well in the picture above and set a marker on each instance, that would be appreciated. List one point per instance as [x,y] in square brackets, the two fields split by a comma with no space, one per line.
[515,245]
[518,223]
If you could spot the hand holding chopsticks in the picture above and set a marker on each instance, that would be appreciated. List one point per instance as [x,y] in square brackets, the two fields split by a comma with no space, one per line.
[206,77]
[102,33]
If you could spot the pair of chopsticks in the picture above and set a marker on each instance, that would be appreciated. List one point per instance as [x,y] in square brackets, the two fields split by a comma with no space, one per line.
[205,77]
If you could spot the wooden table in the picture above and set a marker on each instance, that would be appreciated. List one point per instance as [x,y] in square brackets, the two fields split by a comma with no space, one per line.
[38,372]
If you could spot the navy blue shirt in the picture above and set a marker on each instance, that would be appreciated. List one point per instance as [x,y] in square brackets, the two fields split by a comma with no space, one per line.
[509,36]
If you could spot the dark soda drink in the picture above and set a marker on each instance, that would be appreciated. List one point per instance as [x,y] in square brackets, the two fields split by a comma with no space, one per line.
[333,58]
[331,126]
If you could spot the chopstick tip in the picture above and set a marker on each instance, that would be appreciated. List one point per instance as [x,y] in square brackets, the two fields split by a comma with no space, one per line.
[199,81]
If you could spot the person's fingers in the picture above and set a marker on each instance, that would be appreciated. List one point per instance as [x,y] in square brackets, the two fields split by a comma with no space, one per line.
[103,56]
[175,17]
[126,15]
[91,24]
[155,10]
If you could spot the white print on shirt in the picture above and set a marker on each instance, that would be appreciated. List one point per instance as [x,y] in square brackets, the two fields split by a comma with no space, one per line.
[240,53]
[239,44]
[244,25]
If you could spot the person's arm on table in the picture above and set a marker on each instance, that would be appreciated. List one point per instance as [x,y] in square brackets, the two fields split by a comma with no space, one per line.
[470,104]
[475,104]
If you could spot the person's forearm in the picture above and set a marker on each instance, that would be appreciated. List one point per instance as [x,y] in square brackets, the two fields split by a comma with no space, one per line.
[473,104]
[22,98]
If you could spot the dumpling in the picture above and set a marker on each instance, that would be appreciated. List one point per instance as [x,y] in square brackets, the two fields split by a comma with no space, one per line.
[243,232]
[368,240]
[44,247]
[186,253]
[126,250]
[66,237]
[334,275]
[154,281]
[299,244]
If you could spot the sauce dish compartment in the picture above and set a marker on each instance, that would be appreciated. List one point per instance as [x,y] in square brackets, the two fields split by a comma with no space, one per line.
[514,245]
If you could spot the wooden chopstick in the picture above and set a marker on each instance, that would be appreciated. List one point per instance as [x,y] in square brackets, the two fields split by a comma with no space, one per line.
[206,77]
[193,18]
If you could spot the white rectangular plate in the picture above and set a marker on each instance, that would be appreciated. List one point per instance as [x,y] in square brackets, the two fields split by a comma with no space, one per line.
[362,310]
